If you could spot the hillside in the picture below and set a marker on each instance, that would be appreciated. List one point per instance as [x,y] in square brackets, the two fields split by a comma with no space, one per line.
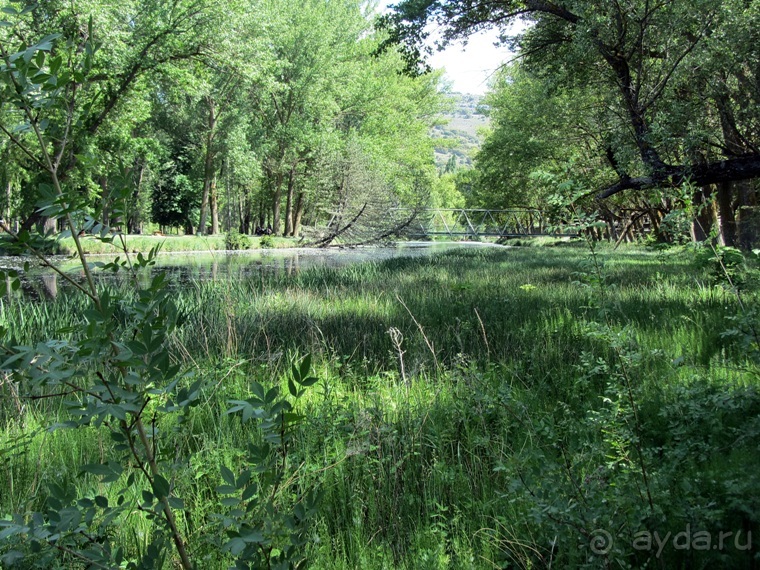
[458,135]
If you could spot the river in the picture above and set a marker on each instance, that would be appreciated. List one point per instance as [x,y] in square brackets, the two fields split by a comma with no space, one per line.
[200,266]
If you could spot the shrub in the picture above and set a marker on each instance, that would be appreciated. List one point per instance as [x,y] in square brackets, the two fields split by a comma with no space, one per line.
[234,240]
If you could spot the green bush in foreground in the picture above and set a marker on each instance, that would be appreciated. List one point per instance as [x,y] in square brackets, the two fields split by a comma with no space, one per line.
[112,376]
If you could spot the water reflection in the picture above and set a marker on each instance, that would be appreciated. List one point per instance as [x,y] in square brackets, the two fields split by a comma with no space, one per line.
[186,268]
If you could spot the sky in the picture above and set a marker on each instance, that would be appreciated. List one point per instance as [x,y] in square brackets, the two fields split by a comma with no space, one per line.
[469,68]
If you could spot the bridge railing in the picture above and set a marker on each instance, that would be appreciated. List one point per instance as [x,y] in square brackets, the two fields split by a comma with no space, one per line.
[473,222]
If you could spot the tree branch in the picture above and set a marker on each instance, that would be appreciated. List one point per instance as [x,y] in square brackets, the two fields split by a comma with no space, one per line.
[732,170]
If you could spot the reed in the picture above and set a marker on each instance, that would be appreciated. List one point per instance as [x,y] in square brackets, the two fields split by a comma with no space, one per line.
[468,457]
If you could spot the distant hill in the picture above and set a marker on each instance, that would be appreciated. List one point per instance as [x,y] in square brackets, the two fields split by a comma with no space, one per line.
[458,135]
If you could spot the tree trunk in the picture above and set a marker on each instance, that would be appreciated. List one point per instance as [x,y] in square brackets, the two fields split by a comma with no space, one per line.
[262,213]
[725,215]
[609,218]
[134,223]
[246,213]
[276,203]
[214,206]
[289,202]
[208,167]
[747,219]
[8,198]
[300,205]
[638,226]
[702,221]
[741,233]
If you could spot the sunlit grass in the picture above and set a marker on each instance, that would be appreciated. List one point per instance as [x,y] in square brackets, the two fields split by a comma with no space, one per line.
[167,243]
[413,462]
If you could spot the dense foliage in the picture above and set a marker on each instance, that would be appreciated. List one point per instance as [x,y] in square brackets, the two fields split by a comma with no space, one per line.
[628,97]
[215,117]
[577,408]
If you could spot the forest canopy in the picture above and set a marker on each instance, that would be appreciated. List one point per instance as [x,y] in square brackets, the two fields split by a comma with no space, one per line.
[208,116]
[645,95]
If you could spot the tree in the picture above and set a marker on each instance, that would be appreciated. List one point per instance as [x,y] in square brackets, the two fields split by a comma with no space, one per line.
[143,37]
[238,58]
[380,168]
[641,51]
[534,128]
[294,99]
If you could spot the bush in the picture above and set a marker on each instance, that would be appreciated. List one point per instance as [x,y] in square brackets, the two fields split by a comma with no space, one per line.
[234,240]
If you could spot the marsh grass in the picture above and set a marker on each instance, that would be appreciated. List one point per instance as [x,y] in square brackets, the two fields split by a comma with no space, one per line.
[168,243]
[507,432]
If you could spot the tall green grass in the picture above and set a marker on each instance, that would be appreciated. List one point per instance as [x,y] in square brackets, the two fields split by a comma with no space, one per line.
[507,433]
[168,243]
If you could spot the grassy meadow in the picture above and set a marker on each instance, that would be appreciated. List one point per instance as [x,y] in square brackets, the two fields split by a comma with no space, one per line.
[502,408]
[168,244]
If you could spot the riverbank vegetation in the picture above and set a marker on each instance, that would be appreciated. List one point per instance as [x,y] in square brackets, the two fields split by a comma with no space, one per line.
[206,119]
[576,405]
[650,108]
[473,409]
[172,244]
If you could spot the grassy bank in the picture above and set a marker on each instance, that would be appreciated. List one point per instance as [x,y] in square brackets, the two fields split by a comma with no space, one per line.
[480,409]
[168,243]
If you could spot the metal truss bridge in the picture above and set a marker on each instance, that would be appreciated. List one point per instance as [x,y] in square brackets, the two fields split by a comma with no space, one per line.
[474,223]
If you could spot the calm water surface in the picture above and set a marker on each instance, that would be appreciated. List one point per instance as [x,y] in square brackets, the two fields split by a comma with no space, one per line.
[185,268]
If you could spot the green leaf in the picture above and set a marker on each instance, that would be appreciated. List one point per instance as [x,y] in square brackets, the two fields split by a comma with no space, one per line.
[253,536]
[98,468]
[235,546]
[55,65]
[250,491]
[13,530]
[161,487]
[40,78]
[305,366]
[228,476]
[177,503]
[11,557]
[46,43]
[258,390]
[271,395]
